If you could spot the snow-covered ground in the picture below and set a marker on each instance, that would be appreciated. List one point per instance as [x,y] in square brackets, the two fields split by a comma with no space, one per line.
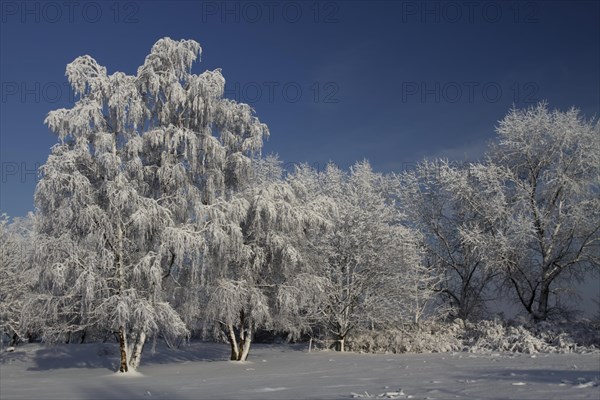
[201,371]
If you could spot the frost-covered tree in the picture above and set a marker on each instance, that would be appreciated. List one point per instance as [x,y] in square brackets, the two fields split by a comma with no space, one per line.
[16,278]
[359,273]
[446,203]
[529,212]
[126,194]
[552,226]
[255,251]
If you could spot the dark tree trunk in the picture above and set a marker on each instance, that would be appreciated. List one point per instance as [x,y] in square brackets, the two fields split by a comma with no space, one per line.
[123,348]
[340,344]
[541,313]
[14,340]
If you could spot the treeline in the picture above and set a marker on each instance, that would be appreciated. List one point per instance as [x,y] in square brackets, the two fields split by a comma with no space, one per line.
[157,216]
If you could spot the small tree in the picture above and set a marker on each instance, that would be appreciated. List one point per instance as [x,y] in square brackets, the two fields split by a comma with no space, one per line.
[261,230]
[357,277]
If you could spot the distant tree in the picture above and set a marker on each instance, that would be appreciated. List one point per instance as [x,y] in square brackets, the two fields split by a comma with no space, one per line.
[552,208]
[446,203]
[16,276]
[359,274]
[125,195]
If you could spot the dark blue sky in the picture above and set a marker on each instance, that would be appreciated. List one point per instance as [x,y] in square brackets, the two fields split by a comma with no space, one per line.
[392,82]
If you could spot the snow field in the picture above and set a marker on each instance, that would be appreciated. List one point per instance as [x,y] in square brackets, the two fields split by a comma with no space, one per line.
[202,371]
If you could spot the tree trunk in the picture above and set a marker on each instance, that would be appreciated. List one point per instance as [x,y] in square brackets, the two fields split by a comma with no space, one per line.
[123,347]
[239,348]
[245,342]
[542,309]
[136,354]
[340,345]
[235,351]
[14,340]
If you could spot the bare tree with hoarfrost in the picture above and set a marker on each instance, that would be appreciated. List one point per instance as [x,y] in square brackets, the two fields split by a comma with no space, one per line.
[126,194]
[446,203]
[551,232]
[362,267]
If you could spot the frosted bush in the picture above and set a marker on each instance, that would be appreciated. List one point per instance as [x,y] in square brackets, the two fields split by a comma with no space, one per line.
[482,336]
[426,338]
[524,338]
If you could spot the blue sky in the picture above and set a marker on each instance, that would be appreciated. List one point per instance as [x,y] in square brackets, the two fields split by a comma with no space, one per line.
[393,82]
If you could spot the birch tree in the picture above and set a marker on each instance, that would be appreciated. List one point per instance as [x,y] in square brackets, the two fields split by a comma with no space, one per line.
[125,194]
[262,228]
